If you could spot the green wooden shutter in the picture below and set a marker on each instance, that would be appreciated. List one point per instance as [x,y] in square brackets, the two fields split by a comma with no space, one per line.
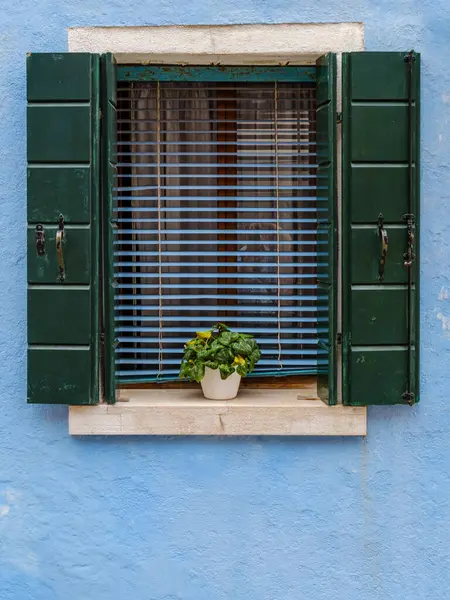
[63,181]
[380,177]
[327,235]
[109,165]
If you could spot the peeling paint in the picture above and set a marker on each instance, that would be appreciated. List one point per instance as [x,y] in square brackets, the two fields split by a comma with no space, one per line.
[10,495]
[445,320]
[215,73]
[444,294]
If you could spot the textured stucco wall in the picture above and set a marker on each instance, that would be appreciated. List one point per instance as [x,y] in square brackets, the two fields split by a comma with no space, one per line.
[235,519]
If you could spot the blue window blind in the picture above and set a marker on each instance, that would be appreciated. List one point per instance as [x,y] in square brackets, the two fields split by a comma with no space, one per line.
[217,206]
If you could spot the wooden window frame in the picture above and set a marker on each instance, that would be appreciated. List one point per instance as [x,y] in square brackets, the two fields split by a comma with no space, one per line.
[225,134]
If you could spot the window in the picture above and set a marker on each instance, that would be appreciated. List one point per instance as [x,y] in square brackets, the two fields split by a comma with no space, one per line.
[217,208]
[85,294]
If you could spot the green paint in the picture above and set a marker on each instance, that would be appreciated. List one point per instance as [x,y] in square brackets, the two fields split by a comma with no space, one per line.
[326,146]
[375,180]
[379,133]
[109,160]
[56,191]
[366,252]
[378,375]
[382,188]
[77,256]
[63,127]
[60,375]
[58,134]
[96,190]
[59,77]
[372,307]
[47,315]
[216,73]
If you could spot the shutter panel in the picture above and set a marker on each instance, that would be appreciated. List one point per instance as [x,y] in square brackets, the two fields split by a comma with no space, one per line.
[63,182]
[109,165]
[380,190]
[326,174]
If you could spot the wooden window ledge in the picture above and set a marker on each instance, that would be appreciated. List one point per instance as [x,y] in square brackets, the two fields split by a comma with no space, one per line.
[186,412]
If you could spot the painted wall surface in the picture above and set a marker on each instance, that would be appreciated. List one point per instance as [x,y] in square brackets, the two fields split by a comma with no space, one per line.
[235,519]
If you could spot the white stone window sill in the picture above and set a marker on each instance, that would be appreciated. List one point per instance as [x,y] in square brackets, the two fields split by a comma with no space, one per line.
[255,411]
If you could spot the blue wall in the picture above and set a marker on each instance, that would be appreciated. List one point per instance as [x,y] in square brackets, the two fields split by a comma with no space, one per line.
[234,519]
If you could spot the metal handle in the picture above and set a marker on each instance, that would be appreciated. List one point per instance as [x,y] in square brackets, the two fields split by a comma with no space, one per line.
[382,232]
[59,249]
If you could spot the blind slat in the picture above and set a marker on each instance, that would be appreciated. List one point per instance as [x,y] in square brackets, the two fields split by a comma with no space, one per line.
[248,254]
[252,330]
[262,362]
[217,187]
[247,319]
[213,308]
[180,350]
[140,165]
[215,210]
[245,264]
[211,242]
[152,375]
[242,153]
[209,143]
[213,220]
[222,176]
[225,286]
[140,275]
[238,199]
[212,296]
[215,231]
[180,341]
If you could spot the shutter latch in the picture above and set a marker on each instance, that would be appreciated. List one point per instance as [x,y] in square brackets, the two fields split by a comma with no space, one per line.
[40,240]
[59,249]
[382,232]
[409,397]
[409,256]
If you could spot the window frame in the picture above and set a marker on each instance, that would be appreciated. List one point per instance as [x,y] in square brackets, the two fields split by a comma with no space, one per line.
[215,75]
[233,45]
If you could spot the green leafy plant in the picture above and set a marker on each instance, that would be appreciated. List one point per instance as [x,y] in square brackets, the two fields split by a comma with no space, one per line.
[219,348]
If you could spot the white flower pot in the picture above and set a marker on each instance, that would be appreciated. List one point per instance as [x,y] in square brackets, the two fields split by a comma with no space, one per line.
[215,388]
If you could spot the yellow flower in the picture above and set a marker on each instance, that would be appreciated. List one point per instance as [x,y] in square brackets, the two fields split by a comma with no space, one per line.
[238,360]
[204,335]
[191,342]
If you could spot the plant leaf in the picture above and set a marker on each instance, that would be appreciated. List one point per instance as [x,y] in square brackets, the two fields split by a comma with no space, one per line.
[225,371]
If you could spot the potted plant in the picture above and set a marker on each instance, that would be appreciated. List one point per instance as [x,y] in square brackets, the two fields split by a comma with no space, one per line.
[217,359]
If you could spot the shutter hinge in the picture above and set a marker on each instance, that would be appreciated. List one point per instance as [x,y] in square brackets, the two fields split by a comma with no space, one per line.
[339,117]
[100,113]
[339,339]
[409,256]
[409,397]
[410,57]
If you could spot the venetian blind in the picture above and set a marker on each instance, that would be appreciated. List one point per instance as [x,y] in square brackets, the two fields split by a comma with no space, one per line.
[217,206]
